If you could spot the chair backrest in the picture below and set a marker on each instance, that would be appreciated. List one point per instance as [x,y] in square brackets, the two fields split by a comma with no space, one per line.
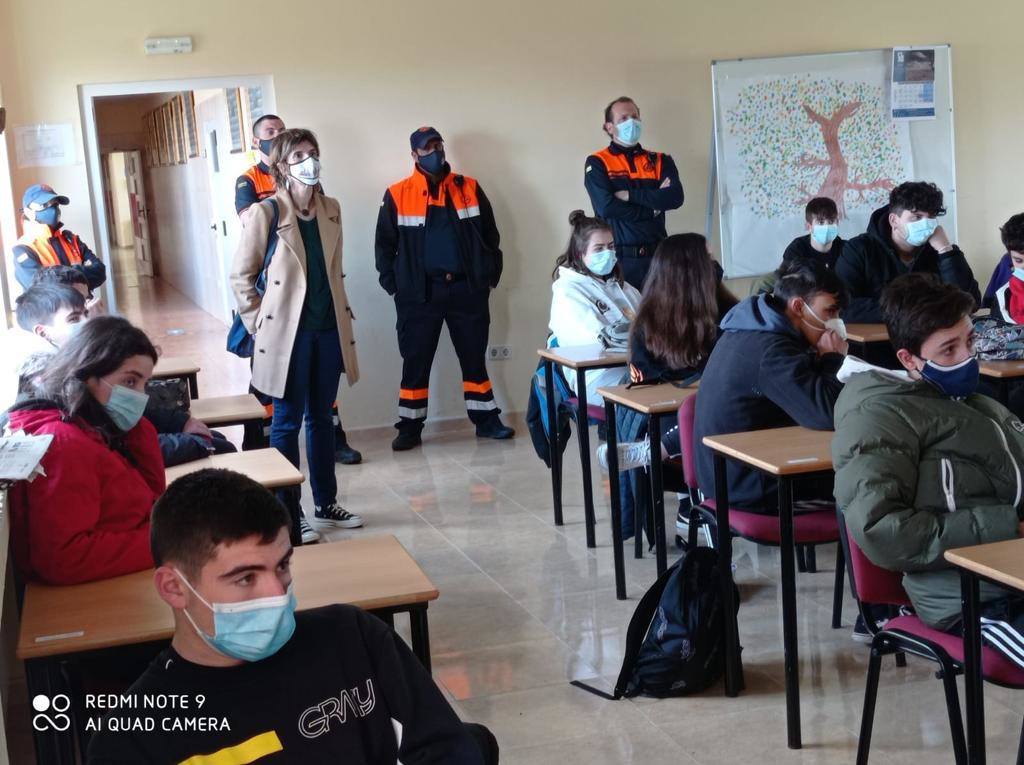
[868,582]
[686,414]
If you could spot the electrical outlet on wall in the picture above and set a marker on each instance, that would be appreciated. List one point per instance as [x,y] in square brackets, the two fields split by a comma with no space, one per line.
[499,352]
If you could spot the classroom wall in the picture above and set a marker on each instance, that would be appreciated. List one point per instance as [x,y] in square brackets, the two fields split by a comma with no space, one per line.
[517,90]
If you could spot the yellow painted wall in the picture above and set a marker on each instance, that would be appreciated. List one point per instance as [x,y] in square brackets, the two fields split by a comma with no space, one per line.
[517,90]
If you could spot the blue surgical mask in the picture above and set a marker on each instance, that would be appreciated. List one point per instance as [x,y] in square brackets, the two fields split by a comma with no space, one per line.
[266,144]
[250,630]
[1019,273]
[49,216]
[957,381]
[628,132]
[825,234]
[920,231]
[125,406]
[432,163]
[601,262]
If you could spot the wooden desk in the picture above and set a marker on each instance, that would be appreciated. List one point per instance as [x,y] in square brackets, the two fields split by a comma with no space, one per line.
[1001,374]
[171,367]
[375,573]
[268,467]
[579,358]
[1000,563]
[654,401]
[222,411]
[785,453]
[867,333]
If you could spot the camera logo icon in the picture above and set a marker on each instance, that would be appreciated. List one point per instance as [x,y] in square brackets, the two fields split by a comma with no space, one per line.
[44,705]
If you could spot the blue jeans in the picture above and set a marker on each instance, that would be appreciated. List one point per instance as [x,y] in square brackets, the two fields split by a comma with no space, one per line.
[313,374]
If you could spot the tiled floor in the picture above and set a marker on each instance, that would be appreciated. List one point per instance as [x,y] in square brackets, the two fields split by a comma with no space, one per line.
[525,607]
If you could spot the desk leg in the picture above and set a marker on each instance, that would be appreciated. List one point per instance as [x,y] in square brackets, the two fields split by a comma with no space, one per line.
[420,634]
[657,492]
[973,682]
[583,431]
[733,662]
[553,445]
[193,385]
[613,486]
[789,646]
[53,746]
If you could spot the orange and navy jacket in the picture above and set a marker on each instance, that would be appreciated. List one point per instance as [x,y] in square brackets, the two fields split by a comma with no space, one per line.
[42,247]
[408,208]
[252,186]
[640,220]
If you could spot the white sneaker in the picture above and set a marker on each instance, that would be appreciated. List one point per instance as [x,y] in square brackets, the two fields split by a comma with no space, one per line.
[309,534]
[631,455]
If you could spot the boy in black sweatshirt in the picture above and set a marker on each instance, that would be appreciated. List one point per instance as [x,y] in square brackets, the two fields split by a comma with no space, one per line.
[902,237]
[262,683]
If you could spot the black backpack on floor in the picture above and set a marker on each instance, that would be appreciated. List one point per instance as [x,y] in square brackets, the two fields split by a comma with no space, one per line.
[675,644]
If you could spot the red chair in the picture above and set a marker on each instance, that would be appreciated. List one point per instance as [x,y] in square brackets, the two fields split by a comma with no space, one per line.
[809,529]
[908,634]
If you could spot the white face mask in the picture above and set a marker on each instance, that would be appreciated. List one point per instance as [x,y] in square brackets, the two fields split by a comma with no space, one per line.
[307,171]
[835,325]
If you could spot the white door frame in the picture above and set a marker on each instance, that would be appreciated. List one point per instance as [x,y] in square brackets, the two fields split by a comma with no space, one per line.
[87,94]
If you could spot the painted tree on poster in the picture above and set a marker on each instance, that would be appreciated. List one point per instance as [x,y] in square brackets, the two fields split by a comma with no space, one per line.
[803,137]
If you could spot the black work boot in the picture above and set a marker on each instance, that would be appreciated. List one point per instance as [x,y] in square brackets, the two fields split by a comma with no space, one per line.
[344,453]
[407,438]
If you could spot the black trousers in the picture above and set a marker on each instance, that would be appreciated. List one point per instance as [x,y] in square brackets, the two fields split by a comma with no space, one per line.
[465,312]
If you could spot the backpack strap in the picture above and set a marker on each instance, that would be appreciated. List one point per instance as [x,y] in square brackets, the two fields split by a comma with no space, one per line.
[639,624]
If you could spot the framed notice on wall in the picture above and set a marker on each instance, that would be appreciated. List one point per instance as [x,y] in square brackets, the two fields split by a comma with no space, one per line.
[235,121]
[178,120]
[188,111]
[166,135]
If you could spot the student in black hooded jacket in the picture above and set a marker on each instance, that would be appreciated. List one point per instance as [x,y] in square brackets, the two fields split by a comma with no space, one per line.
[902,237]
[774,365]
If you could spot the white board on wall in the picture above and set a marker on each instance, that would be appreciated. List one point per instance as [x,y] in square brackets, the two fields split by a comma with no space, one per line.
[795,127]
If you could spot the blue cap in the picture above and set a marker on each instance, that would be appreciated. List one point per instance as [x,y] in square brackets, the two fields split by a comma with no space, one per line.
[39,196]
[422,136]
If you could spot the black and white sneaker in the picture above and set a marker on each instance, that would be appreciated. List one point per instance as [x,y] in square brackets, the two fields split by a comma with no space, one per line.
[335,515]
[310,536]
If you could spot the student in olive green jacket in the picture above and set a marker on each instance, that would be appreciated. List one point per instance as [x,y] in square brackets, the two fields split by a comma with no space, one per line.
[924,463]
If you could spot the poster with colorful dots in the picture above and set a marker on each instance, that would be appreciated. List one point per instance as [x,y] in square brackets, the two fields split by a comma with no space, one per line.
[791,129]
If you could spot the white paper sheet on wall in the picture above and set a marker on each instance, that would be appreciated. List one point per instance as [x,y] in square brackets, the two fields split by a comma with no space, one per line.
[45,145]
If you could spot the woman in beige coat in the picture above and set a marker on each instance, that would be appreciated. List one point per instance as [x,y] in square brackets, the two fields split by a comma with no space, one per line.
[300,318]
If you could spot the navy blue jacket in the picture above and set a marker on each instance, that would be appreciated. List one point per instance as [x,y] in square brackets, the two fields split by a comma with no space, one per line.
[761,374]
[869,262]
[641,220]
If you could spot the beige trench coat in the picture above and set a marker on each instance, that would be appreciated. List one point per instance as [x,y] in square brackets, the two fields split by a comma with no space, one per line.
[274,317]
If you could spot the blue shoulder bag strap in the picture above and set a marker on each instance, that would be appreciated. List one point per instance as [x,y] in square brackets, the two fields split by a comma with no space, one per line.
[261,280]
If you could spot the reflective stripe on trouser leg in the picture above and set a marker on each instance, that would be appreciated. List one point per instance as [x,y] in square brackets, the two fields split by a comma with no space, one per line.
[412,403]
[479,398]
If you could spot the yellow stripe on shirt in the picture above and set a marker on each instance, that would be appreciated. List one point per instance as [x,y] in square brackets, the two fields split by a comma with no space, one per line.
[248,751]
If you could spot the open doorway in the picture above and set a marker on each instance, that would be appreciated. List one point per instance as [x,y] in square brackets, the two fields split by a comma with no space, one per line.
[163,158]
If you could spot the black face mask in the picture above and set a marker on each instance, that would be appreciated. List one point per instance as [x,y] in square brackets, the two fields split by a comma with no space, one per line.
[432,163]
[265,145]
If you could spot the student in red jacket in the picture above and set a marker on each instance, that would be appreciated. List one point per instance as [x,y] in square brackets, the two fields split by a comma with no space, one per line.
[87,518]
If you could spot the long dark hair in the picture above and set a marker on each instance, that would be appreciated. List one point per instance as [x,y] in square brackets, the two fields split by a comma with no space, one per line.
[678,313]
[98,349]
[582,227]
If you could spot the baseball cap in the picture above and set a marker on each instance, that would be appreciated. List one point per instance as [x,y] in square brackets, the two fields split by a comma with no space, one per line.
[422,136]
[39,196]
